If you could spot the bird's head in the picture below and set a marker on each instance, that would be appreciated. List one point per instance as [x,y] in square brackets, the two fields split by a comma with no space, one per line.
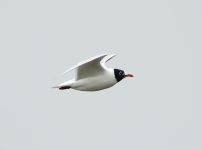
[120,74]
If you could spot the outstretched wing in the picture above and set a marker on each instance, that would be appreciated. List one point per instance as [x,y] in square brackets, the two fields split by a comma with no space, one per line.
[107,58]
[91,67]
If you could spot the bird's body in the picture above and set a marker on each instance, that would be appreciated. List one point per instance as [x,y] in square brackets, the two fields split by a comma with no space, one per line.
[92,75]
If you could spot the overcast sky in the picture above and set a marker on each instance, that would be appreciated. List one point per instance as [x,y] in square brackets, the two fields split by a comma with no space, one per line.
[159,42]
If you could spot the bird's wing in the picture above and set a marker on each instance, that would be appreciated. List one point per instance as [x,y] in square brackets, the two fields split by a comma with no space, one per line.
[93,68]
[107,58]
[90,67]
[83,63]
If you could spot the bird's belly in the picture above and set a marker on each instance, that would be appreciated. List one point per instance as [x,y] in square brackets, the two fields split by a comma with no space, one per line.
[93,83]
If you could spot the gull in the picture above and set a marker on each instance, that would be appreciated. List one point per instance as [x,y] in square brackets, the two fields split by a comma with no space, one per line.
[93,75]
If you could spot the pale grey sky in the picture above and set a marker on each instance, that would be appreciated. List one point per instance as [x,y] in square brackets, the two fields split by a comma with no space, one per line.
[159,42]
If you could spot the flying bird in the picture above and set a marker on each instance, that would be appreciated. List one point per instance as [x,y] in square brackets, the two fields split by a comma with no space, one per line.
[93,75]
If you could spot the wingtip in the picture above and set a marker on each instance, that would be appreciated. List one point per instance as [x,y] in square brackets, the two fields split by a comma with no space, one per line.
[113,54]
[54,87]
[54,78]
[102,55]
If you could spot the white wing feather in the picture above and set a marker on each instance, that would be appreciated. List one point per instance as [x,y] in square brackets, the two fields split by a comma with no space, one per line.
[90,67]
[107,58]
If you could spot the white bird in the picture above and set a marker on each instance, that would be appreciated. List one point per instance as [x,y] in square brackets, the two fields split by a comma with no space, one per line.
[92,75]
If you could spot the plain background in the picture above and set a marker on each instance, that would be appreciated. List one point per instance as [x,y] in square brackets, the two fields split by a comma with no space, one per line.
[159,42]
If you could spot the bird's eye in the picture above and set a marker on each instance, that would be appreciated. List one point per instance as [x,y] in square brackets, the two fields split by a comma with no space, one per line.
[120,73]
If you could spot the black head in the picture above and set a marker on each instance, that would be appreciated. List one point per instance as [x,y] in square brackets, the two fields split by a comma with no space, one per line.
[120,74]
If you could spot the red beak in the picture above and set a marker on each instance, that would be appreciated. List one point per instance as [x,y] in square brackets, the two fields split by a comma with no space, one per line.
[129,75]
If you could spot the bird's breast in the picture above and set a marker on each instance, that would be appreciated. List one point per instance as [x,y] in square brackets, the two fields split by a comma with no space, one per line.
[95,83]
